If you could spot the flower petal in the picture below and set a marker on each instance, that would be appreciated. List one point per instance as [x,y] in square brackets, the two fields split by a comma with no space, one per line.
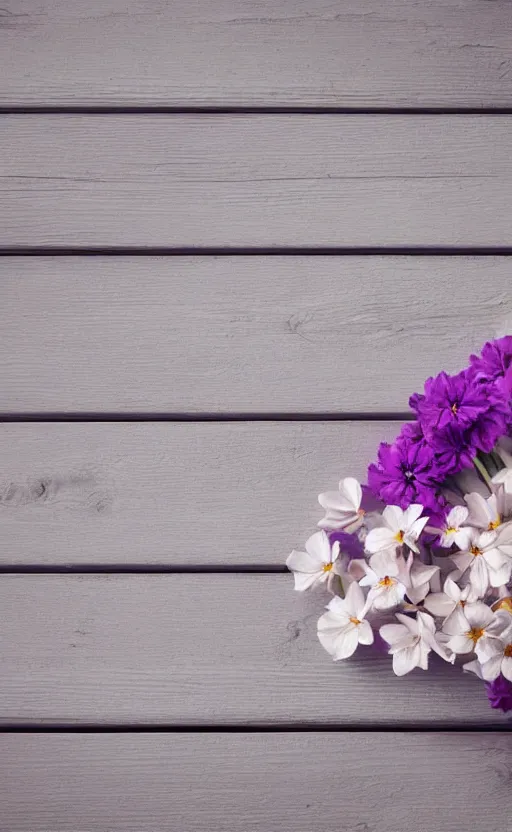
[406,660]
[346,643]
[439,604]
[391,633]
[491,668]
[365,633]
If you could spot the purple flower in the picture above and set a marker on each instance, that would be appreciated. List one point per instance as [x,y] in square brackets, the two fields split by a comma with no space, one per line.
[474,408]
[499,693]
[349,544]
[495,360]
[406,471]
[453,451]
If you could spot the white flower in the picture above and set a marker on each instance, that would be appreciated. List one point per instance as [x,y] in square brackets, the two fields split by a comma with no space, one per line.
[400,528]
[454,530]
[504,477]
[316,564]
[420,576]
[343,507]
[484,513]
[501,660]
[476,629]
[411,641]
[450,603]
[487,558]
[474,667]
[343,627]
[387,577]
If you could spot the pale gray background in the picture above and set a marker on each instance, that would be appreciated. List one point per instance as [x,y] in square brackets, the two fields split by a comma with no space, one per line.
[205,319]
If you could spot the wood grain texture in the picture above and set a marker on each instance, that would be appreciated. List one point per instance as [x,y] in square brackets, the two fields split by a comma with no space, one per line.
[164,493]
[201,649]
[255,782]
[233,180]
[243,334]
[384,53]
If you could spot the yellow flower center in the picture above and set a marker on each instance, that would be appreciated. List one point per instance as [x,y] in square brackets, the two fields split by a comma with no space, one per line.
[354,621]
[361,512]
[494,524]
[387,582]
[503,604]
[475,634]
[508,651]
[451,530]
[327,567]
[475,551]
[399,536]
[454,408]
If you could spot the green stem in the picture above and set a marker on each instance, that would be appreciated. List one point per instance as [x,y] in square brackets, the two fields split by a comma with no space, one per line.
[482,470]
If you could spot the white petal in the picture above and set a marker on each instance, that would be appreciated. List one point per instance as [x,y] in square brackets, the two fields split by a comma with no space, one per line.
[338,606]
[330,500]
[491,668]
[474,667]
[391,633]
[456,623]
[439,604]
[386,598]
[479,514]
[411,624]
[412,514]
[385,563]
[305,580]
[365,633]
[379,539]
[460,644]
[462,560]
[318,547]
[452,590]
[457,517]
[500,577]
[354,600]
[352,492]
[479,615]
[302,562]
[486,647]
[346,643]
[421,573]
[393,516]
[506,668]
[406,660]
[479,576]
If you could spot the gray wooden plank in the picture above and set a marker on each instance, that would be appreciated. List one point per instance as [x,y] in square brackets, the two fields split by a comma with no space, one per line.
[244,334]
[256,782]
[201,649]
[171,493]
[233,180]
[386,53]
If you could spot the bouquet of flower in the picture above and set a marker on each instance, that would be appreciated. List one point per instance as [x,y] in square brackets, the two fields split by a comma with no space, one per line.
[423,552]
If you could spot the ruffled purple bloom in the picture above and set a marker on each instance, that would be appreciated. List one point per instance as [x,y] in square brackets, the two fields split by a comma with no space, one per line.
[453,451]
[474,410]
[499,693]
[406,471]
[496,359]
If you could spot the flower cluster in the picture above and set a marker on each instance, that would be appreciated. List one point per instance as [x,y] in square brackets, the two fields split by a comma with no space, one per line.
[423,553]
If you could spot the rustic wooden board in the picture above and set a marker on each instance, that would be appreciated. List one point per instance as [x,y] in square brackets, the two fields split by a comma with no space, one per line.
[233,180]
[386,53]
[244,334]
[196,649]
[171,493]
[256,782]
